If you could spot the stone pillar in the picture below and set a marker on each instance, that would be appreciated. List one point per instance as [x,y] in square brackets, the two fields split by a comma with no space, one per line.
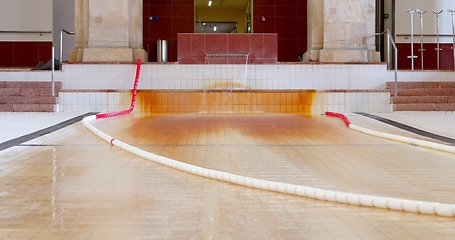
[315,30]
[341,31]
[108,31]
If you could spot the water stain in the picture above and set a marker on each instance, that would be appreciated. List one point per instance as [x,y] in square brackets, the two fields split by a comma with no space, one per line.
[226,99]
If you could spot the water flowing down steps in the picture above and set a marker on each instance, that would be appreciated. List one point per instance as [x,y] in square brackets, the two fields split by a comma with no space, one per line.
[423,96]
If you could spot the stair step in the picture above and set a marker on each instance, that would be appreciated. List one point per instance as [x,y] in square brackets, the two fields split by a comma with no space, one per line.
[411,85]
[26,84]
[424,107]
[26,96]
[28,99]
[421,99]
[425,92]
[8,107]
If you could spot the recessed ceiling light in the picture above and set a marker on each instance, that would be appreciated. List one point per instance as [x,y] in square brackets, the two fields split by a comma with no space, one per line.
[210,3]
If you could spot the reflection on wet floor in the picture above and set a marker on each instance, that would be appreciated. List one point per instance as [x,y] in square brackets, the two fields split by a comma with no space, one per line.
[72,185]
[314,151]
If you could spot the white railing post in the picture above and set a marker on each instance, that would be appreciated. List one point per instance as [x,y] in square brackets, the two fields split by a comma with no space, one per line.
[391,41]
[59,37]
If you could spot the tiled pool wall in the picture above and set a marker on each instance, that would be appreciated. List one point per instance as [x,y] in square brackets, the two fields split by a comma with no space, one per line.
[336,87]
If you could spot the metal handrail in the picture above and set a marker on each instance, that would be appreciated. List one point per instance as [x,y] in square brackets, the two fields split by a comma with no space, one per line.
[60,36]
[26,32]
[390,40]
[425,35]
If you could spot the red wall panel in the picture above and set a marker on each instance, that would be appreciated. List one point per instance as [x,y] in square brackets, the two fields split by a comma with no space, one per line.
[429,56]
[287,18]
[225,48]
[24,54]
[175,16]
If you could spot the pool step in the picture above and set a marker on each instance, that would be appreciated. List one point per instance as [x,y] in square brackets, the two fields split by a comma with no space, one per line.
[23,96]
[423,96]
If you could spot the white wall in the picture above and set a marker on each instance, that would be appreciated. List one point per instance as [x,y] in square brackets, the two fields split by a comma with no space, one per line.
[26,15]
[403,20]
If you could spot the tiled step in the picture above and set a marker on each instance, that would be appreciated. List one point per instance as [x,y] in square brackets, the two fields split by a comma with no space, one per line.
[423,96]
[411,85]
[8,107]
[423,99]
[424,107]
[424,92]
[28,96]
[28,99]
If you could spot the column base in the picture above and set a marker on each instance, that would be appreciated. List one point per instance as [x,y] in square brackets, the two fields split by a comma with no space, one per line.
[140,54]
[332,55]
[337,55]
[311,56]
[107,55]
[75,55]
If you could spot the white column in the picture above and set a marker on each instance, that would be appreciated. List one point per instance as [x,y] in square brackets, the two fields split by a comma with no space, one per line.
[315,30]
[346,30]
[108,31]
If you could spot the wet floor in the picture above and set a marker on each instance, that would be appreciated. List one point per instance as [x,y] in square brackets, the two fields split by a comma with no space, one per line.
[72,185]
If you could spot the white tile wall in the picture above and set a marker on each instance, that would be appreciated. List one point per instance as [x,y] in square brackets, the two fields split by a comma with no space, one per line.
[281,76]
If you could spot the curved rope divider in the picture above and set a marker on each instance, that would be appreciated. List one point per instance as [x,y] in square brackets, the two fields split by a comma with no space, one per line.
[133,100]
[445,210]
[412,141]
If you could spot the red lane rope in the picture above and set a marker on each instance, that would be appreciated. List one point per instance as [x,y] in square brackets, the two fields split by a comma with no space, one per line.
[339,115]
[133,100]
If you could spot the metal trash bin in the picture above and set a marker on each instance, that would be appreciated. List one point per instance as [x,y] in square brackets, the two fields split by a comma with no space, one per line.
[161,46]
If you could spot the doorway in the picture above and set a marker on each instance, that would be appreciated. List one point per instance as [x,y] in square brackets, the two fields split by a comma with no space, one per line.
[223,16]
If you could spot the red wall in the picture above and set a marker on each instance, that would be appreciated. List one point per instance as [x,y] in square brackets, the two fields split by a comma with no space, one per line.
[261,48]
[285,17]
[288,18]
[175,16]
[429,56]
[24,54]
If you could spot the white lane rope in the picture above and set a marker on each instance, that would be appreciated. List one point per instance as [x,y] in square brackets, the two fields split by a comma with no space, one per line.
[398,204]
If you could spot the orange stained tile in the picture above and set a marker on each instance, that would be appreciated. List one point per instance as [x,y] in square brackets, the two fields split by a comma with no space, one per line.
[192,97]
[306,99]
[188,108]
[221,98]
[290,109]
[241,98]
[211,98]
[176,109]
[159,98]
[253,98]
[164,109]
[259,97]
[223,101]
[172,98]
[294,98]
[182,98]
[275,99]
[284,98]
[241,108]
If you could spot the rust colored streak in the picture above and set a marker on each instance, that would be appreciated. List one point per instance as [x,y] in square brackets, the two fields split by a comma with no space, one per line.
[306,100]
